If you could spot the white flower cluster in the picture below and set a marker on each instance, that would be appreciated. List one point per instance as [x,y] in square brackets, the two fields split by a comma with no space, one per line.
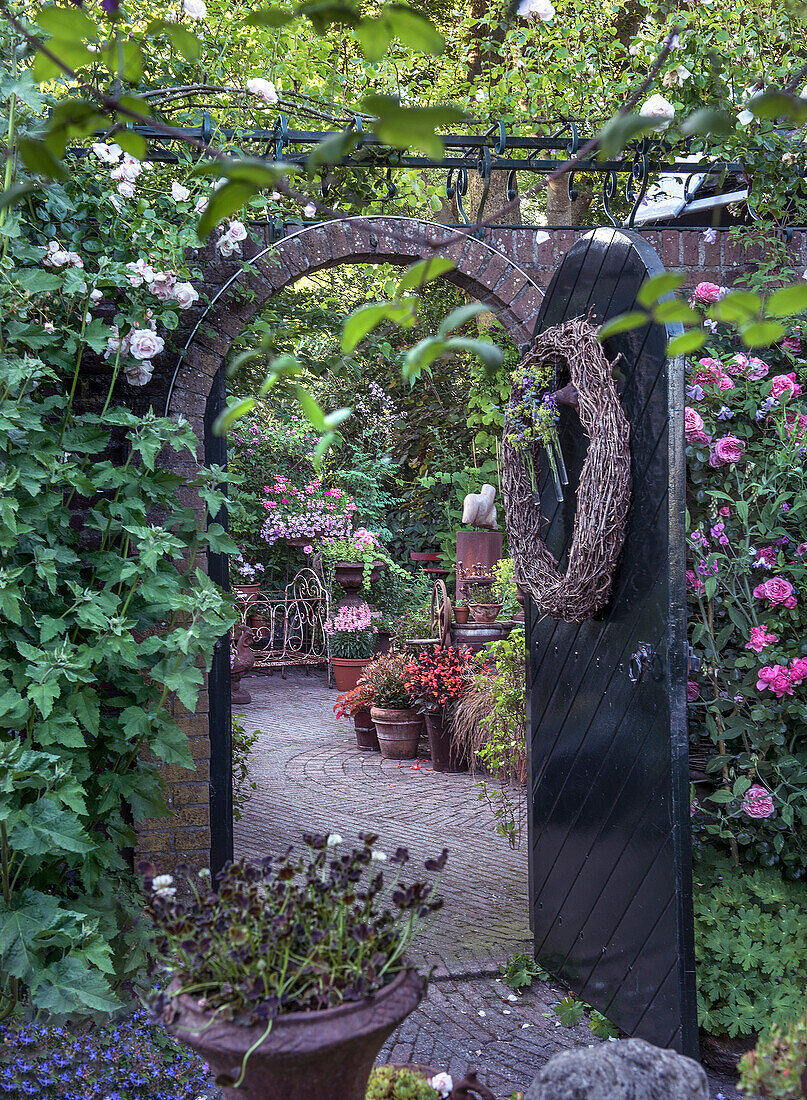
[56,256]
[127,168]
[263,89]
[231,237]
[163,886]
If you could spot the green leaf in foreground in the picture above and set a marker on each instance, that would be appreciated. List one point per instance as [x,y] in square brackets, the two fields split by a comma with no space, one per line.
[625,322]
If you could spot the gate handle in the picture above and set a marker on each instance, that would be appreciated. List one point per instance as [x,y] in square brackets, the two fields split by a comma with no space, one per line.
[643,659]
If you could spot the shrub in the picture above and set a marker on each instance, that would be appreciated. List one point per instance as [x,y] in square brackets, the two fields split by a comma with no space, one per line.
[750,947]
[242,745]
[394,1083]
[777,1068]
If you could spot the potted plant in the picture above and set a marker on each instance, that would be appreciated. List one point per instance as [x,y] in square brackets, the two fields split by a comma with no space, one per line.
[460,614]
[437,678]
[356,704]
[481,602]
[304,516]
[356,562]
[289,978]
[351,643]
[398,724]
[245,576]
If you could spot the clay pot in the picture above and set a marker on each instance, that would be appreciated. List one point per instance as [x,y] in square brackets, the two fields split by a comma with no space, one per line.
[307,1055]
[441,745]
[366,736]
[461,615]
[347,671]
[398,732]
[246,591]
[484,612]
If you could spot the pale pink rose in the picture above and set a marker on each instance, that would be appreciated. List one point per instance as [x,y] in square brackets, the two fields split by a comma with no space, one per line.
[236,231]
[115,344]
[145,344]
[309,210]
[179,193]
[139,272]
[185,294]
[96,295]
[757,802]
[195,9]
[138,374]
[726,450]
[200,206]
[707,293]
[785,384]
[693,421]
[49,327]
[126,189]
[264,89]
[699,437]
[162,285]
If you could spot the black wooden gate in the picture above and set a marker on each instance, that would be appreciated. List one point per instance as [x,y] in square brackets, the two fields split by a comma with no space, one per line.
[220,717]
[610,865]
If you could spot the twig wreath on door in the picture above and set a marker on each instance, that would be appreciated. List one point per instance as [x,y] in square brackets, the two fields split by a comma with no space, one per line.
[603,494]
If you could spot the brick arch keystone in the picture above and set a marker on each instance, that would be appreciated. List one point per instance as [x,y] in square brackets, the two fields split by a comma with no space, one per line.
[480,268]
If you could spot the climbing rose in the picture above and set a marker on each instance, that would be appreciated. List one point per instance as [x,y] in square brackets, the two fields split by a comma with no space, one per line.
[179,193]
[776,678]
[776,590]
[757,802]
[138,374]
[798,670]
[264,89]
[693,691]
[145,344]
[707,293]
[785,384]
[792,343]
[760,637]
[185,294]
[726,450]
[109,154]
[537,9]
[656,106]
[195,9]
[693,421]
[443,1082]
[310,210]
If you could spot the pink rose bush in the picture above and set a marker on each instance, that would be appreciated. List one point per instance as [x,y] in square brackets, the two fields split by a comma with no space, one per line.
[745,579]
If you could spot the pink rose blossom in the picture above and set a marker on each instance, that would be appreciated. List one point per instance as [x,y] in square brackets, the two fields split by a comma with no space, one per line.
[707,293]
[751,367]
[776,678]
[760,638]
[801,549]
[693,691]
[699,437]
[693,421]
[726,450]
[145,344]
[757,802]
[776,590]
[792,343]
[725,510]
[785,384]
[798,670]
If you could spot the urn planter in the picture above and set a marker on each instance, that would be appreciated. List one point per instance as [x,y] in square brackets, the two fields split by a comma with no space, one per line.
[398,731]
[349,575]
[484,612]
[347,671]
[319,1055]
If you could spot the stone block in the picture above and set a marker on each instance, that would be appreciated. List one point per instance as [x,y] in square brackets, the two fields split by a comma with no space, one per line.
[630,1069]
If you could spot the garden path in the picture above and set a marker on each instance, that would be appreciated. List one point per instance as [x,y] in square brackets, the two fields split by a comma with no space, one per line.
[311,777]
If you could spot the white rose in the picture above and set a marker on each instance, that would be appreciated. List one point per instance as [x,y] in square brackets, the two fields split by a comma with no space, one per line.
[442,1083]
[97,295]
[185,294]
[195,9]
[50,328]
[745,117]
[116,202]
[237,231]
[276,198]
[115,344]
[140,272]
[75,260]
[658,107]
[227,247]
[57,259]
[537,9]
[162,285]
[126,189]
[676,77]
[309,210]
[179,193]
[201,206]
[145,344]
[264,89]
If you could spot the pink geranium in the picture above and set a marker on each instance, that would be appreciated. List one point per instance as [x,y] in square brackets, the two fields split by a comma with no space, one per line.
[776,590]
[760,638]
[726,451]
[776,678]
[782,384]
[757,802]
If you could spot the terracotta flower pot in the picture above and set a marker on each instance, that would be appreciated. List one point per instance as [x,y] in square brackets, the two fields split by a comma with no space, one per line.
[484,612]
[398,732]
[461,615]
[307,1055]
[246,591]
[347,671]
[366,736]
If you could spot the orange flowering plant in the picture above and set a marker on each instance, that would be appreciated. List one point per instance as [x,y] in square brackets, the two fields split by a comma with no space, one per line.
[440,675]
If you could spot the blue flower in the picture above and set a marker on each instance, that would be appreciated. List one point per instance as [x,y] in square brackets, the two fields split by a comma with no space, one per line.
[724,413]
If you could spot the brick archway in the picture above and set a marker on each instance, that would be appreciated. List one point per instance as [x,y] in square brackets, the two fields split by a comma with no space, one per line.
[237,296]
[238,293]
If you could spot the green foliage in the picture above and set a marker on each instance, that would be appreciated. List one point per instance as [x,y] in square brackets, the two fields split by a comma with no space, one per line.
[776,1068]
[244,786]
[504,753]
[504,587]
[750,948]
[520,971]
[394,1083]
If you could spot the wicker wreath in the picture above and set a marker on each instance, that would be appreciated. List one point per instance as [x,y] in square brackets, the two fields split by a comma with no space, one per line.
[603,494]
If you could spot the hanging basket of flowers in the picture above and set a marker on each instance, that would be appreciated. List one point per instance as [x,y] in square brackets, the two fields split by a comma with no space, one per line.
[603,494]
